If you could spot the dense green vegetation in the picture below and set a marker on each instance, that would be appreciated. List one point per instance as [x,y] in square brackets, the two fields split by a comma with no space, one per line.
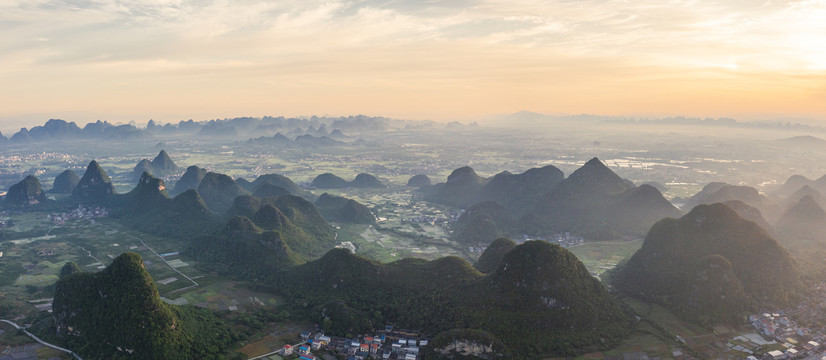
[461,188]
[94,187]
[190,180]
[689,264]
[804,221]
[482,223]
[329,181]
[593,201]
[303,228]
[540,302]
[219,191]
[418,180]
[519,192]
[65,182]
[750,213]
[9,272]
[341,209]
[69,269]
[245,251]
[596,202]
[490,259]
[162,165]
[363,180]
[280,181]
[148,208]
[26,193]
[117,314]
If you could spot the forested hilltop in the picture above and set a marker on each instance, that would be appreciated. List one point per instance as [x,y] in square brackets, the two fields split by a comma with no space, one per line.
[539,302]
[117,314]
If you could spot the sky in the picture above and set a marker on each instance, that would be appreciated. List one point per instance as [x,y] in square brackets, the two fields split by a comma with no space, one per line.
[171,60]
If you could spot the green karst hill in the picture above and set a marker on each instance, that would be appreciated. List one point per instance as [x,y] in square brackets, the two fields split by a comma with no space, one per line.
[490,259]
[310,234]
[596,202]
[65,182]
[245,250]
[418,181]
[118,314]
[718,253]
[190,180]
[483,223]
[148,208]
[366,181]
[803,221]
[461,188]
[340,209]
[750,213]
[275,180]
[163,165]
[219,191]
[540,301]
[520,191]
[329,181]
[26,193]
[94,187]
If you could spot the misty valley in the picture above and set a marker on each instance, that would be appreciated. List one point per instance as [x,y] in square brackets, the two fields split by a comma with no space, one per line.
[526,237]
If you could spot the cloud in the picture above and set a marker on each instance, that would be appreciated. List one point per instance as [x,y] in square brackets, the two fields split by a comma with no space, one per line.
[402,46]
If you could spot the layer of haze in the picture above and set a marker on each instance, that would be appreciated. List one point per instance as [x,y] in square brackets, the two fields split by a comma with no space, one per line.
[170,60]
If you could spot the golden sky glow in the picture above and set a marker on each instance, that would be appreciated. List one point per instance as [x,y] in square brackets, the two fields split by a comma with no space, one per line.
[443,60]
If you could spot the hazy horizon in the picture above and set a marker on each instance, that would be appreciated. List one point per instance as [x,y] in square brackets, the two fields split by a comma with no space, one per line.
[436,60]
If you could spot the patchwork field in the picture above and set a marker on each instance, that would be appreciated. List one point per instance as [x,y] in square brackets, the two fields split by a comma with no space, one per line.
[603,256]
[30,266]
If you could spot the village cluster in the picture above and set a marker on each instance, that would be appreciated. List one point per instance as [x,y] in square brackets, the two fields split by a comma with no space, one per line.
[797,341]
[385,344]
[564,239]
[449,218]
[90,213]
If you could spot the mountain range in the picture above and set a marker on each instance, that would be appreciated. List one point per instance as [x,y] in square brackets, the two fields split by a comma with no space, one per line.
[539,301]
[315,127]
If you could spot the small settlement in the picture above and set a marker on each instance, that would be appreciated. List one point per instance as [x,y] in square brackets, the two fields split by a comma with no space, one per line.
[793,341]
[385,344]
[90,213]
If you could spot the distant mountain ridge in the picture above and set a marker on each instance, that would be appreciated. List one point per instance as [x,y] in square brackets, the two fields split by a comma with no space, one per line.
[593,201]
[596,202]
[315,127]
